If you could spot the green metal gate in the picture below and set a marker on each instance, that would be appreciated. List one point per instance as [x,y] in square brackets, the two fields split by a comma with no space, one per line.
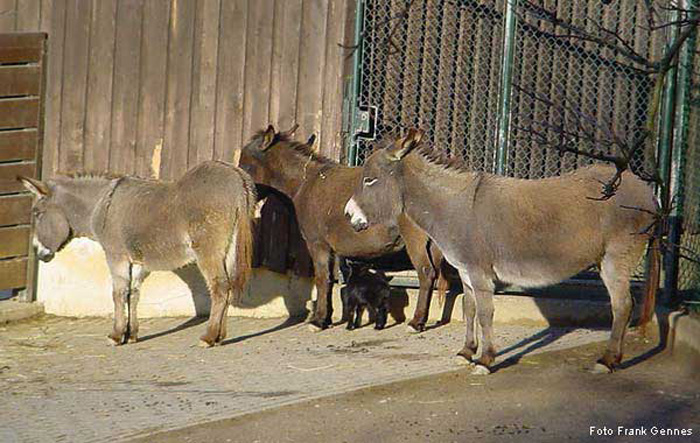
[468,73]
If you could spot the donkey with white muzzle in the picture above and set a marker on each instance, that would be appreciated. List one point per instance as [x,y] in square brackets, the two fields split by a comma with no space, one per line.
[148,225]
[525,232]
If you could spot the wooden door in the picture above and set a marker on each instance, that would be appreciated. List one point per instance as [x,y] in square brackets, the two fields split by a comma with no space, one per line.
[22,62]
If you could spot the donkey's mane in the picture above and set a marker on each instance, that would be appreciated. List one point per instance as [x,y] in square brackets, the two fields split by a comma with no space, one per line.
[443,160]
[285,141]
[91,175]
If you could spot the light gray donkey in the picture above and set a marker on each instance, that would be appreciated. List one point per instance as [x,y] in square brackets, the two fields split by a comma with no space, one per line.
[149,225]
[524,232]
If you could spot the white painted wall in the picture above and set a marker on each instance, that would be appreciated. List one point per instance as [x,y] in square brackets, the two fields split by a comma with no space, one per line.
[77,283]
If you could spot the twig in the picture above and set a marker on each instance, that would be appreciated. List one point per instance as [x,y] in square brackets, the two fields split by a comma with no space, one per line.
[310,369]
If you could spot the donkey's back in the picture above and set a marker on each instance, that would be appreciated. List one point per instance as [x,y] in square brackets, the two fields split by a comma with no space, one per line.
[165,225]
[542,231]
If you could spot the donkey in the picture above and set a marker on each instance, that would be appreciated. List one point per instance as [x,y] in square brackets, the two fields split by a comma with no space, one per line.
[318,188]
[526,232]
[148,225]
[369,289]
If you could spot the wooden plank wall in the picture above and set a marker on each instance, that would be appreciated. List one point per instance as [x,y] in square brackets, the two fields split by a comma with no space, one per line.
[22,65]
[154,87]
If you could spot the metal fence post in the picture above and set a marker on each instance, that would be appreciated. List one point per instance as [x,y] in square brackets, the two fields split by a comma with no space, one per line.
[664,150]
[501,159]
[355,85]
[677,160]
[666,115]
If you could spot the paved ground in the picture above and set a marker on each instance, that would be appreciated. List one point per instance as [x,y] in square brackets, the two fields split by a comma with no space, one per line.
[60,381]
[545,398]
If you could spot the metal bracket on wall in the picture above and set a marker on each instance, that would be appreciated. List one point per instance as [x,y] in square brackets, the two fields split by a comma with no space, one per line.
[366,123]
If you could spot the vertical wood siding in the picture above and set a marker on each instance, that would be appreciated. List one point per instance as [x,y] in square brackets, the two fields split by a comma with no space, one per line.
[154,87]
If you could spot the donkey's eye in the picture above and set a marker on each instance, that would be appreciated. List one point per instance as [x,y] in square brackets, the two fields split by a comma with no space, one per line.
[367,181]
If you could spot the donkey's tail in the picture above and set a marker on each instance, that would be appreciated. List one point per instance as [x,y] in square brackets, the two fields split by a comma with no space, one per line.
[652,285]
[442,286]
[239,258]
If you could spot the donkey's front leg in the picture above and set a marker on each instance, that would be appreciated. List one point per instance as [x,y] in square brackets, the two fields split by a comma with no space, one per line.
[323,265]
[425,257]
[482,289]
[484,313]
[426,279]
[120,292]
[469,313]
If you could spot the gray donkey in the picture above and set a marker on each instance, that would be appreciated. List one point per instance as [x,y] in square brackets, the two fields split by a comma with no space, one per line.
[148,225]
[525,232]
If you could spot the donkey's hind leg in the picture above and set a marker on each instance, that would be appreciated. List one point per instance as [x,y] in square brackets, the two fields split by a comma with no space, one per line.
[616,269]
[120,292]
[138,275]
[214,273]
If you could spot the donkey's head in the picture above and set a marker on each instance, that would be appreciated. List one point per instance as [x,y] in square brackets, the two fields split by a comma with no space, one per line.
[51,228]
[378,198]
[255,154]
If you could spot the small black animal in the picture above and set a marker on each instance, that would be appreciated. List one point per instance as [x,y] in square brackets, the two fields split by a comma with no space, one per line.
[369,289]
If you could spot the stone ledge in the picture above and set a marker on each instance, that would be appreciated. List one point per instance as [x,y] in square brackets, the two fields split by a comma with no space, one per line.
[11,310]
[684,337]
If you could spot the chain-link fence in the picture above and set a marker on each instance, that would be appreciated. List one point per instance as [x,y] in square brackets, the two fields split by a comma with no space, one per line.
[437,69]
[438,65]
[591,81]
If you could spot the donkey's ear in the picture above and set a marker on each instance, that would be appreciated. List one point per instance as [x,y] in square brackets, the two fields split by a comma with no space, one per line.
[36,187]
[290,132]
[311,140]
[404,145]
[268,138]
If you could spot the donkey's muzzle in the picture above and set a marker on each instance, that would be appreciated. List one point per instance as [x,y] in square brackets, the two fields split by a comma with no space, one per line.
[45,256]
[358,220]
[359,225]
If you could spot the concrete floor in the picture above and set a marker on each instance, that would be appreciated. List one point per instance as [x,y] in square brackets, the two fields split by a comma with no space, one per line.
[546,397]
[60,381]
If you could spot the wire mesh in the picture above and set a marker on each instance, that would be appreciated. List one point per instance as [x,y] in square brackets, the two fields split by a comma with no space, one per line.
[439,69]
[579,77]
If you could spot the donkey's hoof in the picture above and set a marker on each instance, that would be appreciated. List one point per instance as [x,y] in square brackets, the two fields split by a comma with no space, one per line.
[600,368]
[313,327]
[464,360]
[204,344]
[318,325]
[133,339]
[115,341]
[480,370]
[411,329]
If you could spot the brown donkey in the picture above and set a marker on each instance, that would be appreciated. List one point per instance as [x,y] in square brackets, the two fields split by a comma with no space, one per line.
[525,232]
[146,225]
[318,188]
